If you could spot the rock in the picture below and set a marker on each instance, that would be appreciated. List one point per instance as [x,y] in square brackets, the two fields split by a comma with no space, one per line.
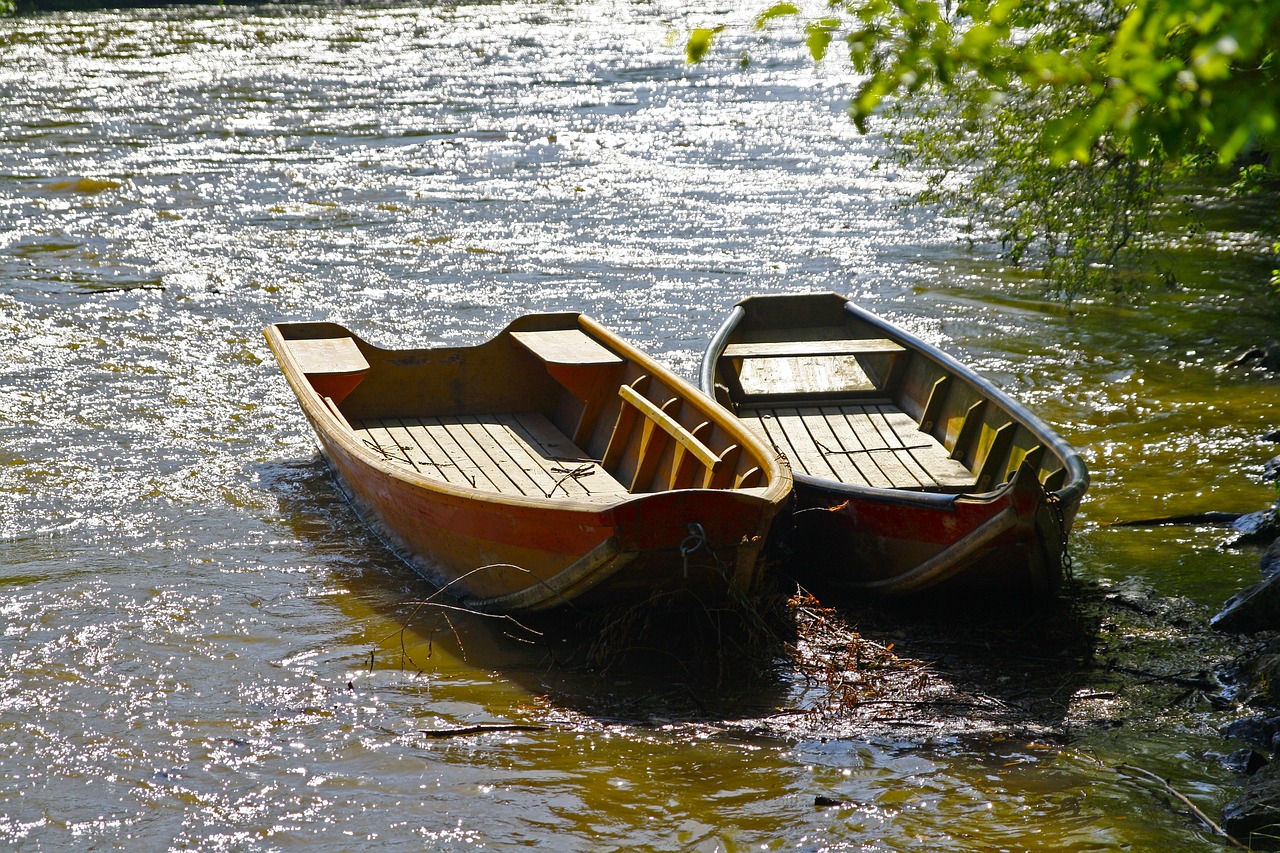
[1247,357]
[1245,761]
[1257,808]
[1255,528]
[1271,560]
[1257,731]
[1273,436]
[1271,356]
[1251,610]
[1258,683]
[1271,469]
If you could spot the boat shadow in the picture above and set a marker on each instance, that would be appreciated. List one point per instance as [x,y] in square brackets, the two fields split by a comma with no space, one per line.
[787,664]
[672,659]
[1022,667]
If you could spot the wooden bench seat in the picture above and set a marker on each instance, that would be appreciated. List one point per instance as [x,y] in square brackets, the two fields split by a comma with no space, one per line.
[333,366]
[791,349]
[565,346]
[873,444]
[833,366]
[515,454]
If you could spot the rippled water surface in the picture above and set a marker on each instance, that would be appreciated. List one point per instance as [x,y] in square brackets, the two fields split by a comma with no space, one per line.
[204,648]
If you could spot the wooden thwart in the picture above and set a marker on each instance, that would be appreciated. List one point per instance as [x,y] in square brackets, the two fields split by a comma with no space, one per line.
[788,349]
[333,366]
[328,356]
[565,346]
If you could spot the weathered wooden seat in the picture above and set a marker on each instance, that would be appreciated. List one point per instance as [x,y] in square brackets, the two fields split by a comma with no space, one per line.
[334,366]
[788,349]
[831,366]
[585,367]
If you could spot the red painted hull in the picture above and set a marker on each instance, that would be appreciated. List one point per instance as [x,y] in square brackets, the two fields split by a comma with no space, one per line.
[683,498]
[516,556]
[998,489]
[1007,542]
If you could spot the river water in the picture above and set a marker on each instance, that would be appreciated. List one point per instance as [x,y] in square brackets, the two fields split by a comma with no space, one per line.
[205,649]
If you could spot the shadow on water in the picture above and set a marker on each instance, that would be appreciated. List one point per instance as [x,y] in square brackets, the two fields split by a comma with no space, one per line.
[671,659]
[1101,656]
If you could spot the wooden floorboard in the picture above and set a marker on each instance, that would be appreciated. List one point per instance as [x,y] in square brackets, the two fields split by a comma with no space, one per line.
[509,453]
[874,445]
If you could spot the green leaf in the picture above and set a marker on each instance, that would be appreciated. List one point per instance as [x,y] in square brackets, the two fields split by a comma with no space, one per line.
[819,36]
[700,42]
[778,10]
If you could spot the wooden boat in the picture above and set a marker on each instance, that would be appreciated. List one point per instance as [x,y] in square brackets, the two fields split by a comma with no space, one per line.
[553,465]
[911,471]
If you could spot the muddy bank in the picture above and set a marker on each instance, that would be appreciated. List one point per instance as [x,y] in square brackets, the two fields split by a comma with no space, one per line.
[1105,660]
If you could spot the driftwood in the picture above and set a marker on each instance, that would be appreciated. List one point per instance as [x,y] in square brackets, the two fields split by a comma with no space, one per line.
[481,728]
[1131,770]
[1192,518]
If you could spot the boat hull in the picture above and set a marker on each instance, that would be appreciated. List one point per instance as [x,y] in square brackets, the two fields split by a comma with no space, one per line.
[514,557]
[1011,542]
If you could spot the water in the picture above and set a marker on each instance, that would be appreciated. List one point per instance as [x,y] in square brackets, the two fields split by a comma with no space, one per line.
[203,647]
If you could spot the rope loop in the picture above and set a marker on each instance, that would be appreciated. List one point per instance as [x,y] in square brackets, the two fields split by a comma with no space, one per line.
[696,539]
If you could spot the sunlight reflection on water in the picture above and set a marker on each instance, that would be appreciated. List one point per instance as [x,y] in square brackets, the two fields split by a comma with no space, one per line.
[203,644]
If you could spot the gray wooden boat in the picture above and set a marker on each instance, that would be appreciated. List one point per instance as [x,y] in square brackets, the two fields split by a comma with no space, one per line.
[912,472]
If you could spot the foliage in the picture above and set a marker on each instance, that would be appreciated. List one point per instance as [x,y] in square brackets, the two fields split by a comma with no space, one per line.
[1169,75]
[1083,222]
[1057,123]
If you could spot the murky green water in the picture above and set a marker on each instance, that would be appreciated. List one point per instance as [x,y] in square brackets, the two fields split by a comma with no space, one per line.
[202,645]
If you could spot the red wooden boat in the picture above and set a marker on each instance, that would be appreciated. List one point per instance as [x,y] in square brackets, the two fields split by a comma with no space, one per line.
[911,471]
[552,466]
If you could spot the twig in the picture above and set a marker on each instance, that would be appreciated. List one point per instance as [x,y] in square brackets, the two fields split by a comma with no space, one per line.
[400,453]
[97,291]
[1173,792]
[481,728]
[574,474]
[1190,518]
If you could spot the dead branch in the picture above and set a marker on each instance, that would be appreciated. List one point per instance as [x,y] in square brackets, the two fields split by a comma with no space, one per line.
[481,728]
[1182,798]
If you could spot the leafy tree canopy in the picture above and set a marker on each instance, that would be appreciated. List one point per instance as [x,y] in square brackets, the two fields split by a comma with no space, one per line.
[1062,119]
[1170,76]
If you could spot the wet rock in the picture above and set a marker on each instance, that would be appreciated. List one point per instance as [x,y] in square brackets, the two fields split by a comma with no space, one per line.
[1257,808]
[1260,675]
[1273,436]
[1267,357]
[1255,528]
[1271,469]
[1251,610]
[1257,731]
[1271,560]
[1245,761]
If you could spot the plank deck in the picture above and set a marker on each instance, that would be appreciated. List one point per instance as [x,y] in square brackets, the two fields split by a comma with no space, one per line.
[873,444]
[513,454]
